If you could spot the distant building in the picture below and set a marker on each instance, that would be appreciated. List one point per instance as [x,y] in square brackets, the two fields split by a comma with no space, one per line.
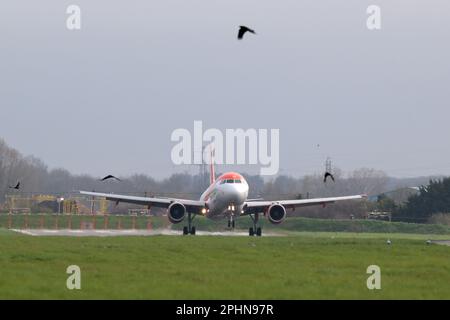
[399,196]
[379,215]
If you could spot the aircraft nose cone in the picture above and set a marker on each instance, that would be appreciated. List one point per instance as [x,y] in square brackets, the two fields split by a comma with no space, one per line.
[237,194]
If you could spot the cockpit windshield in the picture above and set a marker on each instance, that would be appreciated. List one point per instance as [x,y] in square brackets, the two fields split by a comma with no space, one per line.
[231,181]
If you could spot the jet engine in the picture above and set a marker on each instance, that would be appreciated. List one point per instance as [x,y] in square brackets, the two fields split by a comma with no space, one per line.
[276,213]
[176,212]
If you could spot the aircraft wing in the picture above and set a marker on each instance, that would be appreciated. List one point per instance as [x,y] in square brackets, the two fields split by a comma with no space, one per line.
[192,206]
[261,206]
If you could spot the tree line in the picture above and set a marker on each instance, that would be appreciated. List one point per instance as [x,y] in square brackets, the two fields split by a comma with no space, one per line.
[432,199]
[37,178]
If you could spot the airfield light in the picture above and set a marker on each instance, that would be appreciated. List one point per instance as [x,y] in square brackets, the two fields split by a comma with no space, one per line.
[59,200]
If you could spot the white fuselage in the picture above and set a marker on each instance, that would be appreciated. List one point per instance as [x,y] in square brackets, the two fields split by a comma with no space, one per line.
[226,195]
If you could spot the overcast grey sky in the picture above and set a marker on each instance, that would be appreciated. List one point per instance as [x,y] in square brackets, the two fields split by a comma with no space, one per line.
[105,99]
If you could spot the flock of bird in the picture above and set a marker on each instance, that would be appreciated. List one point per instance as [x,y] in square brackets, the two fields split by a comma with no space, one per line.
[111,177]
[108,177]
[242,31]
[17,186]
[326,175]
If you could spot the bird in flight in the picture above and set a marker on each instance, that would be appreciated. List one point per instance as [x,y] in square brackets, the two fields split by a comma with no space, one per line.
[17,186]
[109,177]
[326,175]
[243,30]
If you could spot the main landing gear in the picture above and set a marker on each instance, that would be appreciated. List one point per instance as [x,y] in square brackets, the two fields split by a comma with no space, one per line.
[255,230]
[189,229]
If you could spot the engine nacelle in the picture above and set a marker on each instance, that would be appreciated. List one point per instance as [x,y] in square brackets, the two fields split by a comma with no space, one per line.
[176,212]
[276,213]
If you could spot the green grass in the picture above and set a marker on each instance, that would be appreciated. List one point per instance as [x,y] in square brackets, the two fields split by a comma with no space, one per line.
[300,266]
[328,225]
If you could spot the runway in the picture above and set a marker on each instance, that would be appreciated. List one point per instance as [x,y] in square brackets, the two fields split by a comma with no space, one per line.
[130,232]
[443,242]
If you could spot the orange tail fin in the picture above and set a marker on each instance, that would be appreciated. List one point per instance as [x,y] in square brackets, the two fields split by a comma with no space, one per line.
[212,174]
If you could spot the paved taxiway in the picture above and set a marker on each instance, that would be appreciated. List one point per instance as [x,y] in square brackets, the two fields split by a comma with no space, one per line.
[444,242]
[113,233]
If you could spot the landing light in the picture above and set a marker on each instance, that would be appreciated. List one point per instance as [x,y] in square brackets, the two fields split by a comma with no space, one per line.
[203,210]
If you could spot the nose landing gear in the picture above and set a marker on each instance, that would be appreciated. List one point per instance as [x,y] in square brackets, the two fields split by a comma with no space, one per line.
[231,223]
[231,210]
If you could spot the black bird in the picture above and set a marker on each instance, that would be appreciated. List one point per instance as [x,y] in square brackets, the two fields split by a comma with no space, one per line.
[110,177]
[326,175]
[17,186]
[243,30]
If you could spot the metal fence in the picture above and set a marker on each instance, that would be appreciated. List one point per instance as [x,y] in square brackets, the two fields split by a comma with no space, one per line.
[81,222]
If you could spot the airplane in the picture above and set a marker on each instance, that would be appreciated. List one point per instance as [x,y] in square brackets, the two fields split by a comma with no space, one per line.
[226,197]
